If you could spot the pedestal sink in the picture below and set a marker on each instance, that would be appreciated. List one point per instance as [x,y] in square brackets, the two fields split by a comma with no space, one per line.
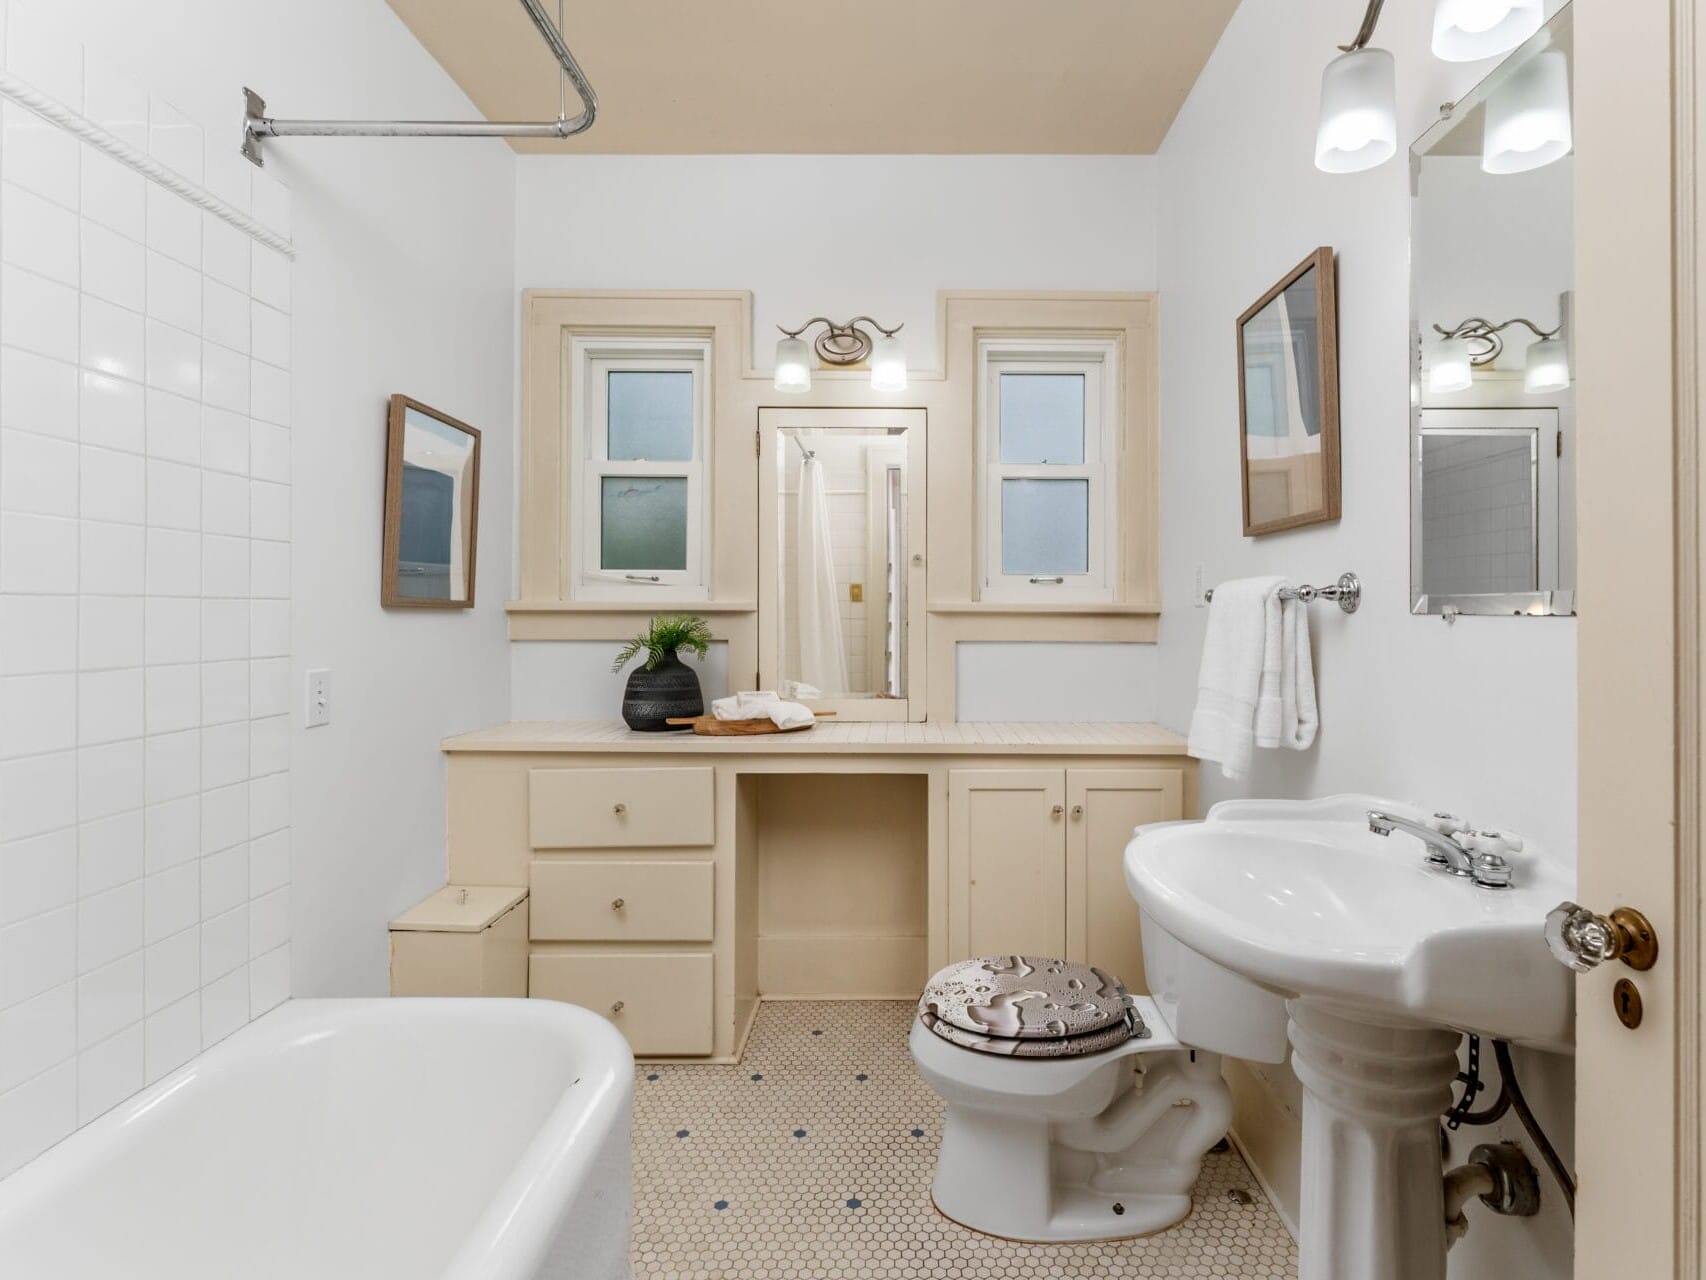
[1371,964]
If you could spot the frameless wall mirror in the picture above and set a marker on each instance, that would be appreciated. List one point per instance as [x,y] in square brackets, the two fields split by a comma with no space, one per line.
[1492,456]
[841,540]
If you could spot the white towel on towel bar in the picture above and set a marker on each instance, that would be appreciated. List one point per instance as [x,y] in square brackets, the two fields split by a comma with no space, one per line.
[1256,685]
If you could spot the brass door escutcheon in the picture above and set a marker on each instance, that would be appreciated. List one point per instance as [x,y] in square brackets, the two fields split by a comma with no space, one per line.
[1626,1000]
[1640,945]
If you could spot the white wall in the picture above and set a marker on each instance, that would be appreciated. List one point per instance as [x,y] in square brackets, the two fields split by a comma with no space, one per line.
[837,236]
[1478,717]
[402,284]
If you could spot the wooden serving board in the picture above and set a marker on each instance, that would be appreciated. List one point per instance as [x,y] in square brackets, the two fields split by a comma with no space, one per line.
[711,727]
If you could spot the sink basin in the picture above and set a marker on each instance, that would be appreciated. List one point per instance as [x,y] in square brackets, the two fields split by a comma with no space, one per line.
[1289,921]
[1302,899]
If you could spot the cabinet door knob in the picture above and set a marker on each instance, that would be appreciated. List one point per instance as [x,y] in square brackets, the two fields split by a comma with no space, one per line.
[619,809]
[1057,811]
[617,904]
[1077,811]
[617,1007]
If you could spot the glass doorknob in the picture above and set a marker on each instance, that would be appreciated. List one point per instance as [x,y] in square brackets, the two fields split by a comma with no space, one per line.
[1581,939]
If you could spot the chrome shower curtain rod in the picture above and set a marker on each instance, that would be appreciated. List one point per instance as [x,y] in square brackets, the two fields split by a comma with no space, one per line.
[257,124]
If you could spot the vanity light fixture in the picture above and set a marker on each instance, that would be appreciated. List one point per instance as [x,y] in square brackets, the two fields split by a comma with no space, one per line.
[1528,116]
[840,344]
[1474,343]
[1469,30]
[1359,105]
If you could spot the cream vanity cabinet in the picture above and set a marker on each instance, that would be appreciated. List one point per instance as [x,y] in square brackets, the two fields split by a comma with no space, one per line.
[674,881]
[1036,861]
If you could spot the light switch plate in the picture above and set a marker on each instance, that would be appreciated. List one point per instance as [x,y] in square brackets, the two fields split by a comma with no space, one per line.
[317,702]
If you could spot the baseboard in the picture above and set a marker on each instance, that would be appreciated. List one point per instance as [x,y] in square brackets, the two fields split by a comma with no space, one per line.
[842,968]
[1269,1136]
[1262,1182]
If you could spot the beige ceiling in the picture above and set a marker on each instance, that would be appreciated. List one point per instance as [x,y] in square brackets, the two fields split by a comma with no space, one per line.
[866,77]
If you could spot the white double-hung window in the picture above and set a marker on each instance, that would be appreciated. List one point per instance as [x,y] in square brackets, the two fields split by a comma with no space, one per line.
[1049,456]
[640,437]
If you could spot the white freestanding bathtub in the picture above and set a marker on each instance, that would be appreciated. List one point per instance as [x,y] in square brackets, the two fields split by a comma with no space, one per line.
[350,1138]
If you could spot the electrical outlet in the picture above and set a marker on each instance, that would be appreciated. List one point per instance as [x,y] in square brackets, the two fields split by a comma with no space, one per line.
[317,704]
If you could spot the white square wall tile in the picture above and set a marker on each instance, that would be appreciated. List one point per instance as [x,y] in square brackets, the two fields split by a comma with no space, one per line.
[173,969]
[36,955]
[36,1115]
[174,427]
[174,698]
[111,412]
[108,1073]
[224,630]
[269,921]
[174,226]
[269,980]
[269,745]
[173,765]
[269,453]
[269,274]
[225,504]
[109,999]
[173,631]
[113,99]
[109,706]
[269,575]
[114,486]
[225,885]
[38,474]
[269,863]
[113,195]
[225,252]
[109,780]
[225,944]
[227,176]
[224,1006]
[174,495]
[38,235]
[225,315]
[112,559]
[174,360]
[109,632]
[172,901]
[269,687]
[269,393]
[224,566]
[39,155]
[38,314]
[40,874]
[173,1037]
[37,634]
[174,562]
[227,378]
[174,139]
[225,818]
[109,925]
[172,833]
[40,394]
[269,335]
[37,1034]
[37,714]
[225,753]
[269,804]
[37,794]
[269,510]
[111,340]
[224,441]
[109,851]
[224,694]
[269,628]
[174,293]
[41,554]
[113,266]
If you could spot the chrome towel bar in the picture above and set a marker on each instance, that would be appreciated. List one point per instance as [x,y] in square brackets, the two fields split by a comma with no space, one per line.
[1347,591]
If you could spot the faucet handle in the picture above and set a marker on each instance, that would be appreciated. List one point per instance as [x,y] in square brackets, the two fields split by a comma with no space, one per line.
[1497,843]
[1447,824]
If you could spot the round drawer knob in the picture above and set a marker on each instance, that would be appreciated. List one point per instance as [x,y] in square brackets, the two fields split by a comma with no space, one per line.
[1077,811]
[619,809]
[617,1007]
[1057,811]
[617,904]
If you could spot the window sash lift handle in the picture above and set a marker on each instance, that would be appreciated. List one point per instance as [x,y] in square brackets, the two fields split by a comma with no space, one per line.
[1057,580]
[642,577]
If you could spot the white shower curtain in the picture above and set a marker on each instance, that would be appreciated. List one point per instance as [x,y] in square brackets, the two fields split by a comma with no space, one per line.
[817,611]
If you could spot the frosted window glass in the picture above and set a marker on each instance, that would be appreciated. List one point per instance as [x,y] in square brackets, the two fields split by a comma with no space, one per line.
[1045,526]
[643,520]
[1042,418]
[651,416]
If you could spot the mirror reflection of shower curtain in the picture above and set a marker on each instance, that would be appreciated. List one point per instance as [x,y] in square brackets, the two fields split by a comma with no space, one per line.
[817,609]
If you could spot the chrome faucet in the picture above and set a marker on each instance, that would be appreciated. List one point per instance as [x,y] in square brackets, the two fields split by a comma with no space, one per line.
[1454,848]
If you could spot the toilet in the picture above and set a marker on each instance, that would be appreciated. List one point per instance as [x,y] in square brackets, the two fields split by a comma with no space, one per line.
[1073,1112]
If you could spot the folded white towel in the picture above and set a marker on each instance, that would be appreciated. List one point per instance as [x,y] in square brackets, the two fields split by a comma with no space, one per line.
[1256,686]
[764,704]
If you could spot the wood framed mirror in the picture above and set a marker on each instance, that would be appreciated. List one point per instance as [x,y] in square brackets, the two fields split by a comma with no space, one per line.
[1288,400]
[432,509]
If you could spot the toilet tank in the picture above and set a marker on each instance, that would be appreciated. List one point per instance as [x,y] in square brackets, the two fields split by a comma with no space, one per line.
[1207,1005]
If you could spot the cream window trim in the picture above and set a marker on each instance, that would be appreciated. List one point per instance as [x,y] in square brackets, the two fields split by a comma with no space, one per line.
[593,359]
[1098,362]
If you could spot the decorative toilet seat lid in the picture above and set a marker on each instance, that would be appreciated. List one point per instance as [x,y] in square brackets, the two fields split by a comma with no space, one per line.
[1028,1006]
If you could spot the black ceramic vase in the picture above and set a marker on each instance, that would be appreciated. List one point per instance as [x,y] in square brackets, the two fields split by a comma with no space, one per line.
[670,689]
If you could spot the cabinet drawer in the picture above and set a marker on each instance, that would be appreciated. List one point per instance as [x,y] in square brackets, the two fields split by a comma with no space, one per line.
[619,808]
[583,901]
[661,1003]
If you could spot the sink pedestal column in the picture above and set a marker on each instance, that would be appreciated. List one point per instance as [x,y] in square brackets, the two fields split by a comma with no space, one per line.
[1372,1196]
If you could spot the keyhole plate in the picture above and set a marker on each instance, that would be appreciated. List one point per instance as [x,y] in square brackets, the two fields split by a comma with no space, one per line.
[1626,1000]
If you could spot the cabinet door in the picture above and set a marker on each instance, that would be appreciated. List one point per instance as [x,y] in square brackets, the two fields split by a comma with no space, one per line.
[1103,807]
[1006,862]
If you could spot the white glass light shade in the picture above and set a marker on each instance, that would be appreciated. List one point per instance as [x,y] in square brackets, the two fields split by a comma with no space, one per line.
[1359,112]
[1469,30]
[888,365]
[1450,369]
[793,365]
[1528,116]
[1546,367]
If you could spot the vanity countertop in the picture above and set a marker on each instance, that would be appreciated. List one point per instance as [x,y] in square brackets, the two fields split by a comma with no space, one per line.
[831,737]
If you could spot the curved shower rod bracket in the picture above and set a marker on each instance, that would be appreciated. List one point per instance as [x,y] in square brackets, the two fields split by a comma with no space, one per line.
[257,124]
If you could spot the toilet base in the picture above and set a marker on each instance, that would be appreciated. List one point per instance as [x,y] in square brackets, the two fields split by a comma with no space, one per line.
[1075,1227]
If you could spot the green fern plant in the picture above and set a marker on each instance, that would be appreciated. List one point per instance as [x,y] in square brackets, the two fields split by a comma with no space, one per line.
[667,633]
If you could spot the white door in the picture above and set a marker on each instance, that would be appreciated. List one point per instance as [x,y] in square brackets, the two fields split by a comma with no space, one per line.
[1638,1132]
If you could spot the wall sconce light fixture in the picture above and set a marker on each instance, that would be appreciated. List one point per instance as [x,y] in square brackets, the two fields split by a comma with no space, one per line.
[1469,30]
[1359,105]
[1528,116]
[840,344]
[1474,343]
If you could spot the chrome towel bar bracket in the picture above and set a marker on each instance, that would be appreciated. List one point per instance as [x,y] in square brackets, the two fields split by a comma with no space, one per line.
[1347,592]
[257,124]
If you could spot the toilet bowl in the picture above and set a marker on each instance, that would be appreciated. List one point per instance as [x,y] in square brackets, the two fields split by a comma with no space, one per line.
[1055,1129]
